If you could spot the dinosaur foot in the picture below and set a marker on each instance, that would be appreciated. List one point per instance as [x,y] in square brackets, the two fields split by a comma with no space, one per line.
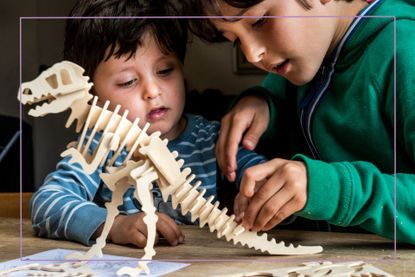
[92,252]
[134,271]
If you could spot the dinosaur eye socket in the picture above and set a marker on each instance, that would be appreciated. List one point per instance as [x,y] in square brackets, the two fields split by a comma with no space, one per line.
[66,77]
[52,81]
[27,91]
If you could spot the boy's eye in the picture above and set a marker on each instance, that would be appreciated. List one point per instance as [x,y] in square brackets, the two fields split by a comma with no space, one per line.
[165,71]
[259,22]
[127,84]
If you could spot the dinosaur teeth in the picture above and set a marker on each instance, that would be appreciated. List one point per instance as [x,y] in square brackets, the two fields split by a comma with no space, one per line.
[44,104]
[41,101]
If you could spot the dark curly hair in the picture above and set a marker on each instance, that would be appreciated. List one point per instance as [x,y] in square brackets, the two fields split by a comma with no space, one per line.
[204,29]
[88,41]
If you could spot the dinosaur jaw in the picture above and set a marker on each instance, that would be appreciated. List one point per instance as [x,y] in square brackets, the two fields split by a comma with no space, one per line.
[37,103]
[48,104]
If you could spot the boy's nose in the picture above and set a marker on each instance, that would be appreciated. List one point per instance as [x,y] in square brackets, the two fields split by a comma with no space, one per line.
[151,91]
[253,53]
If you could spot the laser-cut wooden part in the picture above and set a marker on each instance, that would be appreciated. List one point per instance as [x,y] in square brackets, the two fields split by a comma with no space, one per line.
[118,180]
[326,268]
[61,86]
[112,211]
[157,163]
[57,270]
[90,163]
[192,200]
[145,196]
[116,174]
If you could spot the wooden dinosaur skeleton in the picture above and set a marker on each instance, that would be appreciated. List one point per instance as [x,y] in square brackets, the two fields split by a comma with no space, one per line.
[148,160]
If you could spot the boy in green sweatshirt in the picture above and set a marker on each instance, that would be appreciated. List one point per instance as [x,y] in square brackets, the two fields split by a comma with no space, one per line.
[357,116]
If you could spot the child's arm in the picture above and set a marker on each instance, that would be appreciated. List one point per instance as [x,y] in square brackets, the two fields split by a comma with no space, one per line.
[254,114]
[244,159]
[358,193]
[131,229]
[343,193]
[250,114]
[63,207]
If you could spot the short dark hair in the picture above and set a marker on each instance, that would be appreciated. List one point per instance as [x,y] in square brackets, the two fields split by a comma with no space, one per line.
[204,29]
[90,41]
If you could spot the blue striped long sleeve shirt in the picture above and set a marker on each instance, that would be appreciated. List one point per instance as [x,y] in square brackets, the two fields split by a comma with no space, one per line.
[70,203]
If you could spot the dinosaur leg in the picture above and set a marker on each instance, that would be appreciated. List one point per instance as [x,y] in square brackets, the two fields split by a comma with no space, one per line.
[112,212]
[144,195]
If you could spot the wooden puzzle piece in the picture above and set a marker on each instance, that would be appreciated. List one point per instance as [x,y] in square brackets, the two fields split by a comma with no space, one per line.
[177,184]
[60,86]
[144,195]
[143,175]
[116,174]
[89,164]
[316,269]
[112,212]
[67,269]
[148,153]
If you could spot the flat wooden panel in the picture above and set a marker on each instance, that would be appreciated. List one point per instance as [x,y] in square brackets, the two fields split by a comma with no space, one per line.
[10,204]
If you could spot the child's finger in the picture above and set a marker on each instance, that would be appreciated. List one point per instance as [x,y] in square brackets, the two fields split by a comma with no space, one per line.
[221,146]
[256,204]
[176,228]
[138,239]
[233,138]
[272,207]
[280,216]
[255,174]
[239,206]
[231,176]
[169,230]
[254,132]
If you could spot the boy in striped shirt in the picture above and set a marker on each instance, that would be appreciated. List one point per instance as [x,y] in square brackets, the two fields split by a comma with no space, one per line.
[136,63]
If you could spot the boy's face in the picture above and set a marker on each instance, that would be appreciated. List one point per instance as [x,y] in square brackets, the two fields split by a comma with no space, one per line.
[292,47]
[150,85]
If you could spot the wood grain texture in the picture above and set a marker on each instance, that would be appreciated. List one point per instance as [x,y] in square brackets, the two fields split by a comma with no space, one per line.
[210,256]
[10,204]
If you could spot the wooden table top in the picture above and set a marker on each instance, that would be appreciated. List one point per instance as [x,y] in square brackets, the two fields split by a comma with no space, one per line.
[209,255]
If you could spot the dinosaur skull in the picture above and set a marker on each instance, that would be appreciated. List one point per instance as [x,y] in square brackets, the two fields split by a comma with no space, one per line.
[55,89]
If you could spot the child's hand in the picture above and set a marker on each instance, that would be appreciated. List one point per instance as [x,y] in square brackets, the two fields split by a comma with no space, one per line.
[241,202]
[247,121]
[132,229]
[270,192]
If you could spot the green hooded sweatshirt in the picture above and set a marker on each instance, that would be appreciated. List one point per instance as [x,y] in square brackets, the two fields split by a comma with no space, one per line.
[351,178]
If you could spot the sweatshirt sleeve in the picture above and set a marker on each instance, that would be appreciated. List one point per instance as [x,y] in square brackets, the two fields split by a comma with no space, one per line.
[359,194]
[63,206]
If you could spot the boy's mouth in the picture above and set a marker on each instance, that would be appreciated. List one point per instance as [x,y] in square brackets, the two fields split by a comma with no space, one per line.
[281,68]
[157,113]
